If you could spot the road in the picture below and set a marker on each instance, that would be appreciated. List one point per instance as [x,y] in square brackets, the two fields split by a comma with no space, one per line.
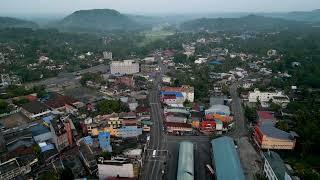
[240,129]
[64,78]
[153,166]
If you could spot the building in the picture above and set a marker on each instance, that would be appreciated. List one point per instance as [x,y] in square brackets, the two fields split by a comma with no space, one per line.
[104,141]
[58,102]
[270,137]
[12,169]
[186,161]
[266,97]
[124,67]
[60,134]
[129,131]
[266,118]
[35,109]
[274,168]
[225,159]
[218,109]
[176,117]
[115,169]
[178,127]
[41,133]
[172,98]
[107,55]
[186,90]
[87,156]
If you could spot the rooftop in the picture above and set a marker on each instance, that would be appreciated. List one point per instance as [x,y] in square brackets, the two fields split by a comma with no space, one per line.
[265,115]
[226,160]
[39,129]
[274,132]
[35,107]
[186,161]
[276,164]
[56,100]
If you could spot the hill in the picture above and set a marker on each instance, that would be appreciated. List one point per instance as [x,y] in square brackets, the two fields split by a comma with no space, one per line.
[246,23]
[8,22]
[307,16]
[97,20]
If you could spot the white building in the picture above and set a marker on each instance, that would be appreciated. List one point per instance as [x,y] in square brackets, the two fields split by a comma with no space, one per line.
[266,97]
[200,60]
[166,79]
[124,67]
[274,168]
[115,170]
[107,55]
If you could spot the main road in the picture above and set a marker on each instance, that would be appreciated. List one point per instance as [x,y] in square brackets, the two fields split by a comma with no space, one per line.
[153,167]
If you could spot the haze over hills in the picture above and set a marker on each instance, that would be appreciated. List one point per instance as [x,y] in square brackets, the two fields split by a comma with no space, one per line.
[246,23]
[307,16]
[97,20]
[8,22]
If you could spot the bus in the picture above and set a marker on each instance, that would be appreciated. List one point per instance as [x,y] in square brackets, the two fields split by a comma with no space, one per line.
[210,170]
[154,153]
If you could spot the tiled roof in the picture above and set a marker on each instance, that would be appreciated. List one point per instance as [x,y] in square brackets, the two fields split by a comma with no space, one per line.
[57,101]
[35,107]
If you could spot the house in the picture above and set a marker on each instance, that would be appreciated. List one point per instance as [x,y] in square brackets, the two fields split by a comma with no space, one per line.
[129,131]
[265,97]
[218,109]
[104,141]
[172,98]
[35,109]
[41,133]
[116,169]
[186,90]
[274,167]
[266,117]
[270,137]
[61,133]
[173,127]
[59,102]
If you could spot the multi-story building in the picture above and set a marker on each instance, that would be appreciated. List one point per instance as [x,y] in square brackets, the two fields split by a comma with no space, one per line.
[104,141]
[107,55]
[12,169]
[186,90]
[269,137]
[87,156]
[266,97]
[274,168]
[61,133]
[124,67]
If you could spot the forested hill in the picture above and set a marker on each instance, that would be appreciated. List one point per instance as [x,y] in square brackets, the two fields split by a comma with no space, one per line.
[246,23]
[8,22]
[97,20]
[307,16]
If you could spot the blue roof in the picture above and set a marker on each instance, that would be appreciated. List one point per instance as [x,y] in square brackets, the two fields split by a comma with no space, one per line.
[47,147]
[39,129]
[274,132]
[88,140]
[48,119]
[215,62]
[178,94]
[226,160]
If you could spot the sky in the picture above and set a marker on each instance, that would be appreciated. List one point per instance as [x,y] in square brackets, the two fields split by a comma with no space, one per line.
[63,7]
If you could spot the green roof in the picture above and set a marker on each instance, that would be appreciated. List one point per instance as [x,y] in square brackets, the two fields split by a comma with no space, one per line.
[276,164]
[186,161]
[226,160]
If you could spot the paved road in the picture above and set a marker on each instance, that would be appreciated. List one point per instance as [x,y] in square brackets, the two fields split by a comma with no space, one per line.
[240,129]
[64,78]
[153,166]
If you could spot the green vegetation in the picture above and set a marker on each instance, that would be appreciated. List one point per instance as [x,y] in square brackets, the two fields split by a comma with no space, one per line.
[7,22]
[110,106]
[93,77]
[97,20]
[251,114]
[247,23]
[4,107]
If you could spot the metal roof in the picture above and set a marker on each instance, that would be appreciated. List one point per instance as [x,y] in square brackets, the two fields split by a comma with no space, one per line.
[226,160]
[275,132]
[186,161]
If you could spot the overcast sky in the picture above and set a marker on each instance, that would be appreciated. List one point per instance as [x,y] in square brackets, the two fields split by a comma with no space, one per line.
[29,7]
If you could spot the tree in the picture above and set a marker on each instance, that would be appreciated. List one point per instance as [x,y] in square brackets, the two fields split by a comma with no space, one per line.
[250,113]
[180,58]
[66,174]
[110,106]
[4,107]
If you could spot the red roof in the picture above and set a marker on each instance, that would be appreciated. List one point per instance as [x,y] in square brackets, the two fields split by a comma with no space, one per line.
[58,101]
[265,115]
[174,124]
[169,96]
[31,97]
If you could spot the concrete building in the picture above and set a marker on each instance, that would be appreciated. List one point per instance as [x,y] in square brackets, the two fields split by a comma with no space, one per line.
[11,169]
[60,133]
[186,161]
[124,67]
[107,55]
[104,141]
[266,97]
[274,168]
[226,160]
[129,131]
[218,109]
[87,156]
[171,98]
[269,137]
[41,133]
[186,90]
[35,109]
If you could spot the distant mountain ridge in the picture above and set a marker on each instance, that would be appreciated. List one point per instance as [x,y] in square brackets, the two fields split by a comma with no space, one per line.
[8,22]
[97,20]
[246,23]
[307,16]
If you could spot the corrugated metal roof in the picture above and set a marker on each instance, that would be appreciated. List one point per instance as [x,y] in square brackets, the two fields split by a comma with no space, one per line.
[226,160]
[186,161]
